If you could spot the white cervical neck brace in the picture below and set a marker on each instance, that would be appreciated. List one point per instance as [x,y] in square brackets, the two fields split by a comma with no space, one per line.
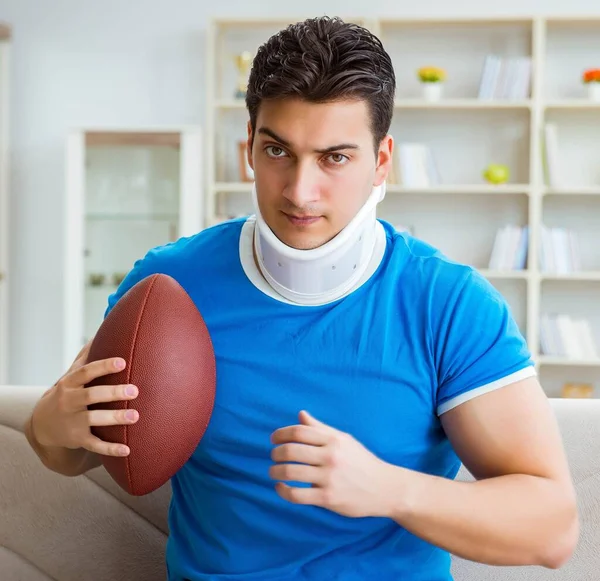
[323,274]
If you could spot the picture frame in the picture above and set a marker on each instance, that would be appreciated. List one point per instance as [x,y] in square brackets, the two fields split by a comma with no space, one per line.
[246,173]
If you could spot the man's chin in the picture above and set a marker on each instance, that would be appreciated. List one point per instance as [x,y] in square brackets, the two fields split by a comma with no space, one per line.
[302,241]
[301,238]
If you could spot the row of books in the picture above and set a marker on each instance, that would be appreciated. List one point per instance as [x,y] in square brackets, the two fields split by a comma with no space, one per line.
[505,78]
[568,337]
[559,251]
[510,248]
[416,166]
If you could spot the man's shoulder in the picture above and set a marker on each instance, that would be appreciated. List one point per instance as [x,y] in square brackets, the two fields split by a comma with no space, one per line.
[431,281]
[422,264]
[210,242]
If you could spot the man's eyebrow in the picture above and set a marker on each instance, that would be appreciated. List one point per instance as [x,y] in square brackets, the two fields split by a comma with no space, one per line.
[279,139]
[273,135]
[338,147]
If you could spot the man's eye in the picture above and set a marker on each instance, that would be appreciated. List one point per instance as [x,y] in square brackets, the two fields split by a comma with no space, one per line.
[274,151]
[338,158]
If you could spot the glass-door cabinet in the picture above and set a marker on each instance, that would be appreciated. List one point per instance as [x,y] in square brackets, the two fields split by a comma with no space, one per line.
[127,192]
[5,40]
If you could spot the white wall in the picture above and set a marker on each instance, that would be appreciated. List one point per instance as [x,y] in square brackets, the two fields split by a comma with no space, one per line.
[109,62]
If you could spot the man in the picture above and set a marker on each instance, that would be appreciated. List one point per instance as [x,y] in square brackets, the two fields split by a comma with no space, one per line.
[357,366]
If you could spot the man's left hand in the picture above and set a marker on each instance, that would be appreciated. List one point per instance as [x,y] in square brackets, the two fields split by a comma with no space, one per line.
[345,476]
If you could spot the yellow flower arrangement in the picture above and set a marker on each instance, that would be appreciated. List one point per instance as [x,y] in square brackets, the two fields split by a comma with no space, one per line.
[431,74]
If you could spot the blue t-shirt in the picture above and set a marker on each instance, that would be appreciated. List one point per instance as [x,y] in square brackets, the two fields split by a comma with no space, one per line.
[419,337]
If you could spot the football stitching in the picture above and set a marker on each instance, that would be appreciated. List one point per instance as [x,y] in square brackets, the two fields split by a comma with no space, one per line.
[135,333]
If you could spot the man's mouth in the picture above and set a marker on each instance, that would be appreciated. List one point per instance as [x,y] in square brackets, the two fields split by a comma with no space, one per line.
[300,220]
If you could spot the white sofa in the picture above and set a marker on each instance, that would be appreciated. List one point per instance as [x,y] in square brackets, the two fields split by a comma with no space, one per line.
[86,529]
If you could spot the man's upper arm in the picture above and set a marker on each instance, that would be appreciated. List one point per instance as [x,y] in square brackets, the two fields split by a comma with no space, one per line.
[478,345]
[489,400]
[511,430]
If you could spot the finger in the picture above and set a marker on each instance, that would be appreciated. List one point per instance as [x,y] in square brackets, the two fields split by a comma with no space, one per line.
[105,394]
[112,417]
[93,370]
[297,473]
[302,453]
[98,446]
[301,434]
[299,495]
[307,420]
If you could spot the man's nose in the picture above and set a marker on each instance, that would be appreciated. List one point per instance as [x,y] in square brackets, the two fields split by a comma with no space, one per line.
[303,186]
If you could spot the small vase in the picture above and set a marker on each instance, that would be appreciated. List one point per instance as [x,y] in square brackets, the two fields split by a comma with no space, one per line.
[593,91]
[432,91]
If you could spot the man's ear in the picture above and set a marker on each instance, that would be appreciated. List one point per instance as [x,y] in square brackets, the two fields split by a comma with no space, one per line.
[249,146]
[385,157]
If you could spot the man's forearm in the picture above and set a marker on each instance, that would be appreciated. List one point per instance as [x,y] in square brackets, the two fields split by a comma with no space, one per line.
[509,520]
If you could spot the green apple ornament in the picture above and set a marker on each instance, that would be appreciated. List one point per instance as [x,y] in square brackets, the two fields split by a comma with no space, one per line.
[496,174]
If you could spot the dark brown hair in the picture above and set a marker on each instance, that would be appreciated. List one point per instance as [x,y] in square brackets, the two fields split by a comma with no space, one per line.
[323,60]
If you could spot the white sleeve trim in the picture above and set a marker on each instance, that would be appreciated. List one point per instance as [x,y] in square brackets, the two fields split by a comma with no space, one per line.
[497,384]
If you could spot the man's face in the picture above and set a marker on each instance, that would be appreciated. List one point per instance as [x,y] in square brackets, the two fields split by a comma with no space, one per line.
[314,167]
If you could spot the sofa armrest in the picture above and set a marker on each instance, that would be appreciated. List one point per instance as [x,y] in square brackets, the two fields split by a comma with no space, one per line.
[72,529]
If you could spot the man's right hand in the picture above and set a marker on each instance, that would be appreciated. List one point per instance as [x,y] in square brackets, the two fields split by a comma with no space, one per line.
[61,418]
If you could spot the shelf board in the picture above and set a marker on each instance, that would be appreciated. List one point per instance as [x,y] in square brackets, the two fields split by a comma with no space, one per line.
[449,104]
[565,362]
[253,22]
[455,21]
[574,191]
[118,217]
[233,187]
[582,103]
[505,274]
[105,287]
[591,20]
[587,276]
[132,138]
[230,104]
[497,104]
[481,189]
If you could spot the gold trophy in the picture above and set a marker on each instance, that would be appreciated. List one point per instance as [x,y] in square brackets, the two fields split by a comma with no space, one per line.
[243,62]
[577,390]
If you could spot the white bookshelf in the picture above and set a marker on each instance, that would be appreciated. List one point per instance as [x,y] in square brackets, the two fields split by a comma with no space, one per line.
[462,213]
[5,44]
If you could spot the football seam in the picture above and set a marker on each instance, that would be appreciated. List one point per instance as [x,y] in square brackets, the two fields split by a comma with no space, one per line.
[129,374]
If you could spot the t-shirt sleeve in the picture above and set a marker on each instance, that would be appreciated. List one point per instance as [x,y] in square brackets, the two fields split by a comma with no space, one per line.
[480,347]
